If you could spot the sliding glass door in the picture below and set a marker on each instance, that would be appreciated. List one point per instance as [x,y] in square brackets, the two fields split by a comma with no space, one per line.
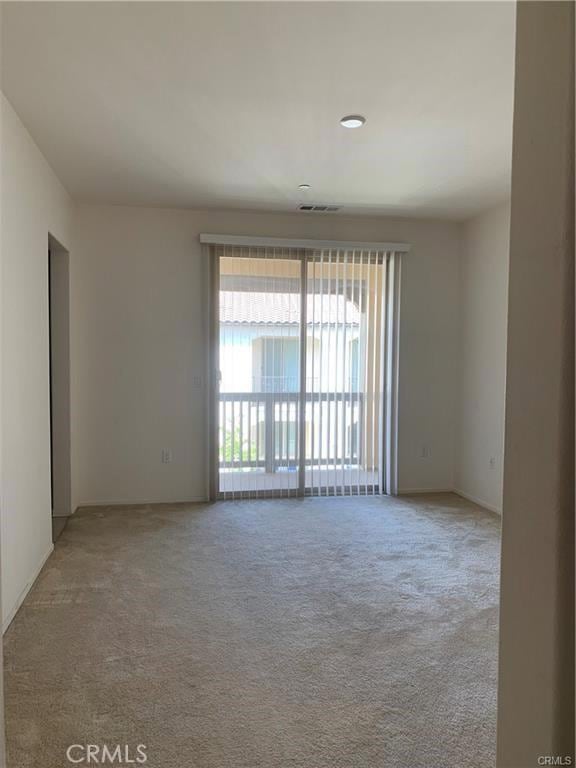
[259,316]
[344,384]
[302,344]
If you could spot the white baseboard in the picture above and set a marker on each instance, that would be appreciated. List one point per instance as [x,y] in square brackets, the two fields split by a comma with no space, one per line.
[479,501]
[30,583]
[140,502]
[411,491]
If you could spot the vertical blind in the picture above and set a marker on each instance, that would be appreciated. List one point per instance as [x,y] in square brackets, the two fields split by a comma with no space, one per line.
[344,387]
[304,365]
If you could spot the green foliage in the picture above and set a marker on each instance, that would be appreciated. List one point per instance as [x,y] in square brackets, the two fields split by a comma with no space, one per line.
[237,448]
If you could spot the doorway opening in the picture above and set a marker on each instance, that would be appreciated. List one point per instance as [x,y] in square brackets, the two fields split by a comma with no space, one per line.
[306,347]
[59,342]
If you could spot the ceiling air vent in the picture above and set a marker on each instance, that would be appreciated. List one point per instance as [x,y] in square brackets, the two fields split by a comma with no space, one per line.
[319,208]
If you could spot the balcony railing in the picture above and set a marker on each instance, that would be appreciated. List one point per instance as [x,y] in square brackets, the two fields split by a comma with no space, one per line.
[261,430]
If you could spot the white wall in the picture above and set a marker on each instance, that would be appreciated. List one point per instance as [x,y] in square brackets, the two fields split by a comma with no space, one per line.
[139,333]
[483,316]
[536,659]
[34,204]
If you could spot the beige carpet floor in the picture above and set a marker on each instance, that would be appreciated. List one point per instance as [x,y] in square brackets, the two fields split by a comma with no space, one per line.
[332,633]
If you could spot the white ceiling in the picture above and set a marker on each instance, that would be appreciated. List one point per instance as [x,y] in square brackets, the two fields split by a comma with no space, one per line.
[233,105]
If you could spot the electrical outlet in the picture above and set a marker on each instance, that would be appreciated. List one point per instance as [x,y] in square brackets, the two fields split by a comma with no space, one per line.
[166,455]
[196,381]
[492,462]
[424,451]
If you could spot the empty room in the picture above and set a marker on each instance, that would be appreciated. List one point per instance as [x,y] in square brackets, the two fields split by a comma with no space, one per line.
[287,384]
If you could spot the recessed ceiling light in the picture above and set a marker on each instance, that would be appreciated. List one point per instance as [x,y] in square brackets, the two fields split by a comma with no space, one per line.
[304,187]
[353,121]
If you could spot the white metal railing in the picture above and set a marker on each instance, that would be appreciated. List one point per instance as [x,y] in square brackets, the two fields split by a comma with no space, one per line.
[260,429]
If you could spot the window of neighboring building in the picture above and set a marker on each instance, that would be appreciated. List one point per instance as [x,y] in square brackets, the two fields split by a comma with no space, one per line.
[354,358]
[277,364]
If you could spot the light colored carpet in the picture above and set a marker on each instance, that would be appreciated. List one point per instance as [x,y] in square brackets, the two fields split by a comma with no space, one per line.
[332,633]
